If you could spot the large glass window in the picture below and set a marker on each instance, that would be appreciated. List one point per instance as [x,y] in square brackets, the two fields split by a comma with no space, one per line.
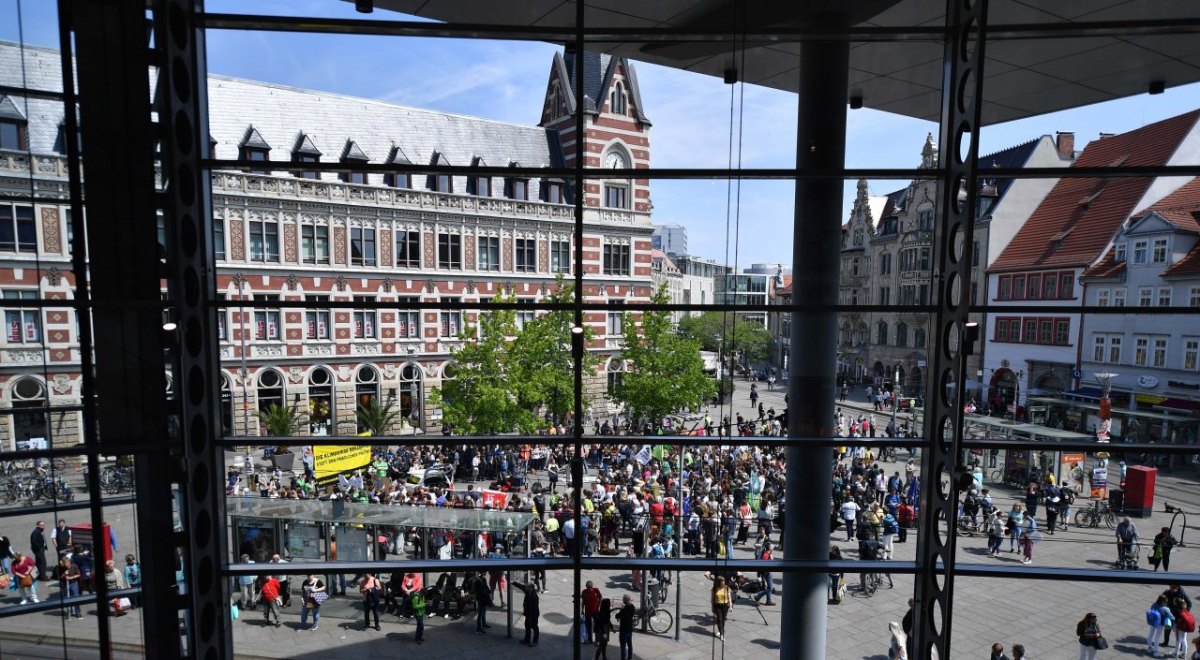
[314,243]
[616,259]
[525,255]
[450,251]
[489,252]
[24,326]
[408,249]
[18,233]
[560,256]
[364,319]
[264,240]
[362,246]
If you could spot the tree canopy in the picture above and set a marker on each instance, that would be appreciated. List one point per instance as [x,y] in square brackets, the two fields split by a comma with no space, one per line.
[730,334]
[666,373]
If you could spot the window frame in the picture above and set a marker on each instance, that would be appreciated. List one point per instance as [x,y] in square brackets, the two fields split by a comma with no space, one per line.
[26,318]
[19,224]
[268,233]
[410,255]
[449,251]
[525,255]
[488,253]
[616,259]
[364,241]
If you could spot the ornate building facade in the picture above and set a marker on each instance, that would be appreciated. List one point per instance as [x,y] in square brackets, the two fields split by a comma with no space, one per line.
[357,237]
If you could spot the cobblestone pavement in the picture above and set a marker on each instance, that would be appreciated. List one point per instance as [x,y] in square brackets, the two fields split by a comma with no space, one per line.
[1039,614]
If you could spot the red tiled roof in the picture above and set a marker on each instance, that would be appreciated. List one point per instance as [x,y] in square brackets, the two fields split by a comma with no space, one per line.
[1181,207]
[1079,216]
[1107,267]
[1188,265]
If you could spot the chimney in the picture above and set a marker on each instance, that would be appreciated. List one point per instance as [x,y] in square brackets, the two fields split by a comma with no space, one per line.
[1065,141]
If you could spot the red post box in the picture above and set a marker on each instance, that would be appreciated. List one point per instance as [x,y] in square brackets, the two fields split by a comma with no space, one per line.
[1139,490]
[101,547]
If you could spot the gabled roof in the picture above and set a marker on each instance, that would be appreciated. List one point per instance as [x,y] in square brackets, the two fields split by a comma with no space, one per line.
[438,158]
[1078,218]
[1180,208]
[304,145]
[397,157]
[9,110]
[1014,156]
[253,139]
[352,152]
[595,68]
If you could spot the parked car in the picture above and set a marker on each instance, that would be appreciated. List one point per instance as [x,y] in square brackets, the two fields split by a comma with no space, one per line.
[436,476]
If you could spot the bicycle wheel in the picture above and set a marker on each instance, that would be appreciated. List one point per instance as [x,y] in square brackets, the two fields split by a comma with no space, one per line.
[998,477]
[1110,519]
[1083,518]
[660,621]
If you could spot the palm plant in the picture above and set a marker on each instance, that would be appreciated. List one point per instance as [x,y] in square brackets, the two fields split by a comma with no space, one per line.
[280,420]
[376,418]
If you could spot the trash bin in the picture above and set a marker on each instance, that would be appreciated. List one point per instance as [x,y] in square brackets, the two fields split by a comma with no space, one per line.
[1116,499]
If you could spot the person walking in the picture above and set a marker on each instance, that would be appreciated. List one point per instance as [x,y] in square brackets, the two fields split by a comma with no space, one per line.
[1127,535]
[1185,624]
[1161,554]
[417,603]
[1090,639]
[271,600]
[24,570]
[768,580]
[603,626]
[995,530]
[899,642]
[850,510]
[246,586]
[722,604]
[1013,525]
[370,588]
[1158,617]
[1027,546]
[625,617]
[591,597]
[533,610]
[313,594]
[997,652]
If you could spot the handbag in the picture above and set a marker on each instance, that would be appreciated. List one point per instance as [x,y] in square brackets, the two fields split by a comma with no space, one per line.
[25,581]
[319,597]
[1101,643]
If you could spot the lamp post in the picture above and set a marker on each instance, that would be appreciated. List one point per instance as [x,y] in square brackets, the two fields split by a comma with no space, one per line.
[1105,380]
[895,400]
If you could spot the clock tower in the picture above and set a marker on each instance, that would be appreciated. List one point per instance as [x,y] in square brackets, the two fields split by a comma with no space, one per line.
[616,133]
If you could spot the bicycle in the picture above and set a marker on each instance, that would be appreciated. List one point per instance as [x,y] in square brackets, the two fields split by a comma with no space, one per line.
[968,526]
[874,581]
[657,619]
[1100,512]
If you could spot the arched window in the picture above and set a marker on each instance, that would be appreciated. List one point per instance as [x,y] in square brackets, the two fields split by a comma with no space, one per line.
[29,392]
[919,338]
[902,334]
[366,389]
[410,393]
[270,392]
[616,376]
[616,101]
[320,402]
[881,333]
[226,406]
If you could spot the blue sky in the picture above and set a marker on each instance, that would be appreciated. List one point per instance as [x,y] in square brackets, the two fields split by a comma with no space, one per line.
[690,113]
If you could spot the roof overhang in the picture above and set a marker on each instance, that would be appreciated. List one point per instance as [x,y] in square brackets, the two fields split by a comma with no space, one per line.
[1025,75]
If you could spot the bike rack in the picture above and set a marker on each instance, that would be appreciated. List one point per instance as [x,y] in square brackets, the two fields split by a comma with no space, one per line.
[1182,529]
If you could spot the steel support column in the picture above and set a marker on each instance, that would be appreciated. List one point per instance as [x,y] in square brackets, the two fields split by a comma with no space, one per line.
[816,251]
[962,87]
[112,60]
[182,104]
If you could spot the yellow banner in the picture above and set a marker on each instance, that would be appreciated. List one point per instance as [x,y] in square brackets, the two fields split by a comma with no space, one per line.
[330,461]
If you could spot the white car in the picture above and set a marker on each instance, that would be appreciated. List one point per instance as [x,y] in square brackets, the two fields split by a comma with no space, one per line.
[437,476]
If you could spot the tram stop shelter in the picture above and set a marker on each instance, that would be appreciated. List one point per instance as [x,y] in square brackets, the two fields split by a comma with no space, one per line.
[1024,461]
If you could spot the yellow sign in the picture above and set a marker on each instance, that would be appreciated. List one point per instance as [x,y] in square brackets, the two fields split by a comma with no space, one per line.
[330,461]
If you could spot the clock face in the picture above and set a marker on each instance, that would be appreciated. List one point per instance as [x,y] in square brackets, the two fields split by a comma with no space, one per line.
[615,161]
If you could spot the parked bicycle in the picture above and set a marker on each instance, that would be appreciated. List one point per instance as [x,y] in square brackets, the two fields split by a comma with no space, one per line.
[657,619]
[1100,512]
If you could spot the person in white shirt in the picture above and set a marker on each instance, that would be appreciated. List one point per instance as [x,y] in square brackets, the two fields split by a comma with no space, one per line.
[850,517]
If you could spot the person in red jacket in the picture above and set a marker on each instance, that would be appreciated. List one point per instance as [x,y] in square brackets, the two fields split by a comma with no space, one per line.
[270,598]
[905,515]
[591,607]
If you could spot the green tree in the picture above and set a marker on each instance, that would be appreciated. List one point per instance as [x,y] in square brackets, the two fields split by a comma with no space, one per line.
[730,334]
[666,373]
[377,418]
[540,357]
[485,396]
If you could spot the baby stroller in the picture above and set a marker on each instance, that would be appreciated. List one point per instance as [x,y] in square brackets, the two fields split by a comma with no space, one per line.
[1130,561]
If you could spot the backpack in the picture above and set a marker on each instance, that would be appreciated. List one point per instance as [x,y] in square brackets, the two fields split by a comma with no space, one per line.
[1187,621]
[889,525]
[1154,616]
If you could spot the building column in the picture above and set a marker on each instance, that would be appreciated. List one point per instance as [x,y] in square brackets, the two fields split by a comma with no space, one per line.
[816,254]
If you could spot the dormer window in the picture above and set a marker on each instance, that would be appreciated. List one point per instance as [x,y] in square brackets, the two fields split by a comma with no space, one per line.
[552,192]
[254,148]
[1159,253]
[616,101]
[398,180]
[479,185]
[443,183]
[1120,252]
[352,155]
[1140,249]
[13,126]
[306,152]
[518,189]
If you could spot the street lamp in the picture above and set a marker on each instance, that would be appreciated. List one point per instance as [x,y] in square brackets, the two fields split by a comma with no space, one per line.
[895,400]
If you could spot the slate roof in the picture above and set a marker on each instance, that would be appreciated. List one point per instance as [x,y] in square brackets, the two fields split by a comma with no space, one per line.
[1078,218]
[244,110]
[1014,156]
[599,69]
